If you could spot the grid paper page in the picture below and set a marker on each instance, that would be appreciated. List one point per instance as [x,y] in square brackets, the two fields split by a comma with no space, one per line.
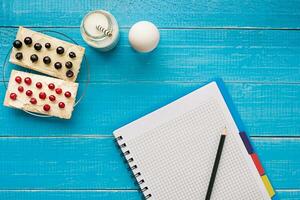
[175,159]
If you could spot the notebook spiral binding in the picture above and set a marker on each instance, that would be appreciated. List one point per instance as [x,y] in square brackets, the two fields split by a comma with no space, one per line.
[133,167]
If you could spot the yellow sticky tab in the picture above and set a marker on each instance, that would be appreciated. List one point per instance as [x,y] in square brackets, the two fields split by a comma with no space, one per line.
[268,185]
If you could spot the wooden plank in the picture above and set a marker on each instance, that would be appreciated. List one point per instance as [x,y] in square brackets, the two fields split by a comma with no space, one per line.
[265,109]
[58,163]
[191,56]
[96,195]
[71,195]
[201,13]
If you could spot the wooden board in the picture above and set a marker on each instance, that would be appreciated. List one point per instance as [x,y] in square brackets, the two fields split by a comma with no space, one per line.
[185,55]
[56,163]
[192,14]
[266,109]
[96,195]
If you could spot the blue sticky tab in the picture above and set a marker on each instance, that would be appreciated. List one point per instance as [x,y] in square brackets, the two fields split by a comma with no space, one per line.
[246,142]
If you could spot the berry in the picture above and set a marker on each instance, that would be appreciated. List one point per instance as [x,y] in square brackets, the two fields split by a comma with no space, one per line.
[17,44]
[60,50]
[13,96]
[20,89]
[58,65]
[51,86]
[37,46]
[19,56]
[61,104]
[72,54]
[39,85]
[29,93]
[33,101]
[67,94]
[42,95]
[52,98]
[47,60]
[48,45]
[58,90]
[27,80]
[69,74]
[46,107]
[28,41]
[18,79]
[34,58]
[69,65]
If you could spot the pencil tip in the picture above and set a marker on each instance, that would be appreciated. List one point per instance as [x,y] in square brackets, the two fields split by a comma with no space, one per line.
[224,131]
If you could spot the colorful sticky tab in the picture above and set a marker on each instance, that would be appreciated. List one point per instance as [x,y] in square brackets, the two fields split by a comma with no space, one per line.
[257,163]
[268,185]
[246,142]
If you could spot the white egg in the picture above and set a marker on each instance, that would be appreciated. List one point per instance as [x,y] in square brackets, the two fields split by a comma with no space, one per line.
[144,36]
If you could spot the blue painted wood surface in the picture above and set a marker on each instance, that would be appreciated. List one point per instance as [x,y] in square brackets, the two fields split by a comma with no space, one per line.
[253,45]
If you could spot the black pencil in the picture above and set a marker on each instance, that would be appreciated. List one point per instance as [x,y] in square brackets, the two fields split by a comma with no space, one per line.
[216,164]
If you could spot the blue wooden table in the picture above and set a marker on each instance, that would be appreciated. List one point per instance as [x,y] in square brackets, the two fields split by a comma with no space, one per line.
[254,45]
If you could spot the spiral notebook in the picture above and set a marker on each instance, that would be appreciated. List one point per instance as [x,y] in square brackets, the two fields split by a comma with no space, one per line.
[171,151]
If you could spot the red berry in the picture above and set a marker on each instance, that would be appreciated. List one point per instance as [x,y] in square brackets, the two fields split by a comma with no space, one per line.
[52,98]
[67,94]
[61,104]
[58,90]
[39,85]
[29,93]
[51,86]
[28,81]
[33,101]
[13,96]
[18,79]
[20,89]
[42,95]
[46,107]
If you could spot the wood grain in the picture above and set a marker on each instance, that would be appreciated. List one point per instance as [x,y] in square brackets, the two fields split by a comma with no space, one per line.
[96,195]
[95,163]
[190,56]
[200,13]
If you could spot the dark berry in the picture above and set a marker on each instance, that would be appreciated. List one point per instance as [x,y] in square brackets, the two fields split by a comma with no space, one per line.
[19,56]
[52,98]
[37,46]
[58,90]
[61,104]
[18,79]
[58,65]
[72,54]
[34,58]
[29,93]
[17,44]
[39,85]
[27,80]
[48,45]
[20,89]
[67,94]
[28,41]
[69,64]
[60,50]
[33,101]
[13,96]
[46,107]
[69,74]
[51,86]
[47,60]
[42,95]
